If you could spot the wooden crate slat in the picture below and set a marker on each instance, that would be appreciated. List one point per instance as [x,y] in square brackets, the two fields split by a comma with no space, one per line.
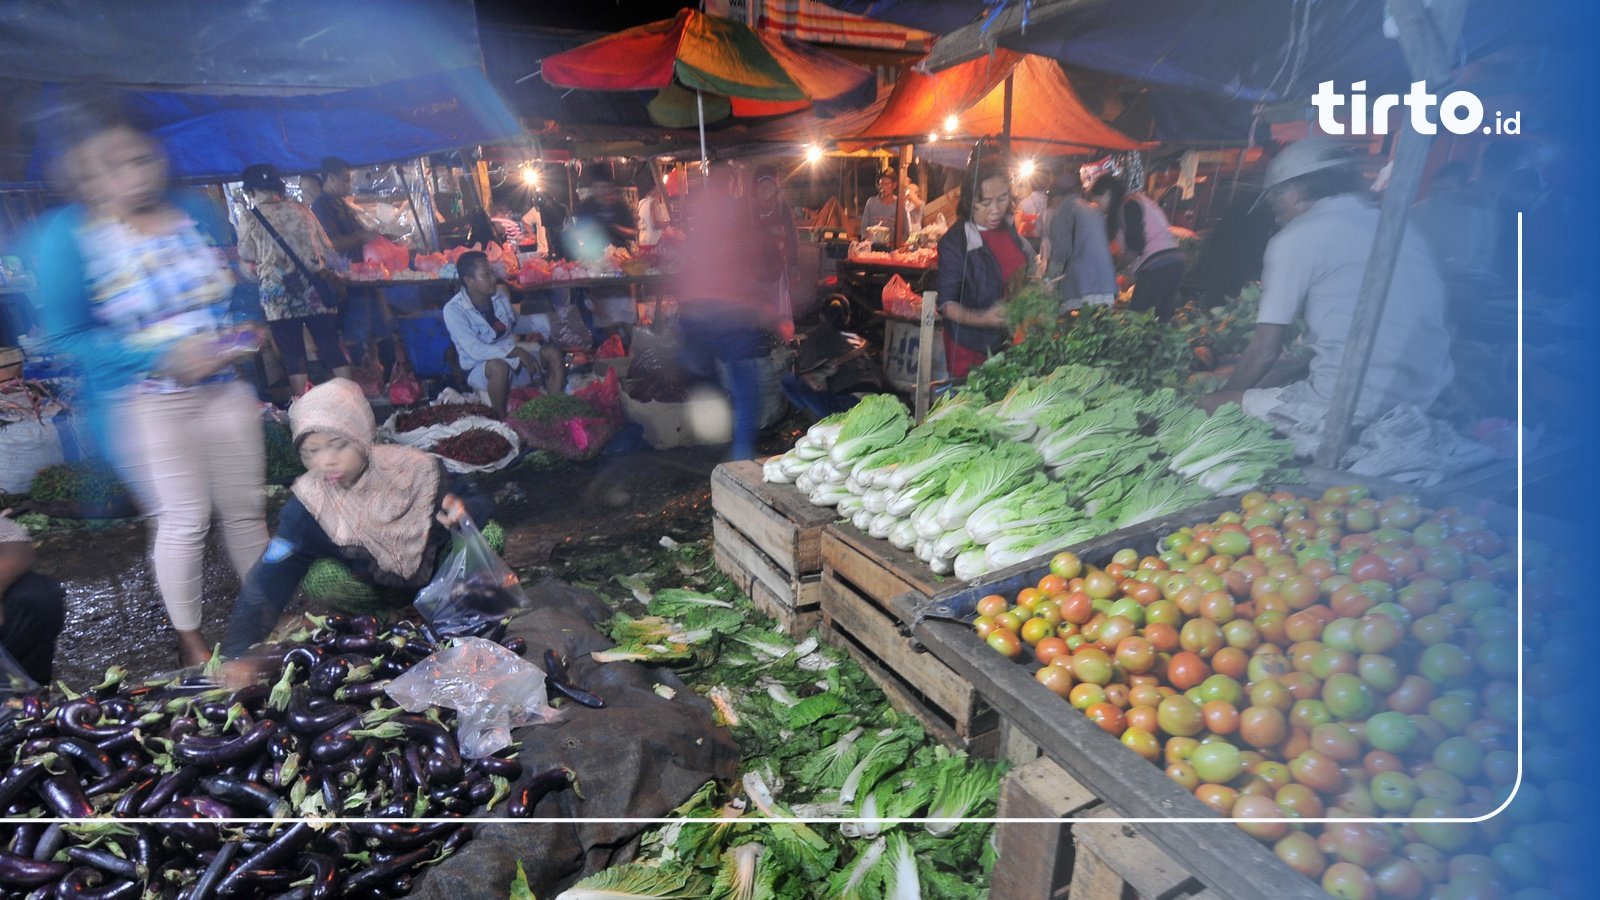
[797,592]
[793,622]
[874,630]
[777,518]
[875,567]
[1150,873]
[901,699]
[1036,856]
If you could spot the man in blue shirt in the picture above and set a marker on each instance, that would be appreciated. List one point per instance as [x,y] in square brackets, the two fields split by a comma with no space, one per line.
[363,315]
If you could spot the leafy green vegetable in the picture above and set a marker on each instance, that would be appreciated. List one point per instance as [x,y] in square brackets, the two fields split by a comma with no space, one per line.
[519,885]
[636,881]
[879,420]
[962,786]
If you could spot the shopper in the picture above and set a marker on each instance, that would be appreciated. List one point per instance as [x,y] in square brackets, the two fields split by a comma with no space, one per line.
[364,317]
[34,606]
[383,511]
[1076,252]
[604,219]
[776,219]
[654,219]
[131,288]
[281,241]
[1313,272]
[981,261]
[1136,224]
[879,210]
[482,326]
[723,305]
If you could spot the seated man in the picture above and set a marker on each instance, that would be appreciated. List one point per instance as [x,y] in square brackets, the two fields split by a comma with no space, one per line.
[1313,272]
[482,326]
[34,605]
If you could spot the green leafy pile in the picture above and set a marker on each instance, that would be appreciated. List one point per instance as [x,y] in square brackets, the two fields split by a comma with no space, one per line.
[547,408]
[1131,348]
[1034,305]
[818,739]
[283,460]
[90,484]
[1218,333]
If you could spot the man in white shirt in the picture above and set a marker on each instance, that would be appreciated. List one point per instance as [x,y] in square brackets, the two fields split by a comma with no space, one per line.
[1313,271]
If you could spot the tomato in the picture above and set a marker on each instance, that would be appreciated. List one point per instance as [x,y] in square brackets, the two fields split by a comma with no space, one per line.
[1117,695]
[1115,629]
[1380,673]
[1008,621]
[1400,879]
[1092,665]
[1221,717]
[1083,696]
[1200,637]
[1186,670]
[1135,654]
[1350,601]
[1076,607]
[1394,792]
[1143,717]
[1329,662]
[1108,717]
[1299,801]
[1247,807]
[1216,763]
[1028,598]
[1219,797]
[1141,742]
[1231,543]
[1270,694]
[1183,774]
[1445,664]
[1005,642]
[1349,882]
[1460,756]
[1099,585]
[1217,606]
[1066,565]
[1316,771]
[1050,612]
[1035,630]
[1348,697]
[1377,634]
[991,605]
[1299,852]
[1336,742]
[1412,696]
[1048,648]
[1056,678]
[1230,661]
[1220,687]
[1163,637]
[983,625]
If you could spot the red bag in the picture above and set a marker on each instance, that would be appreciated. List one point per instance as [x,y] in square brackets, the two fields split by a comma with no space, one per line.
[611,349]
[404,388]
[900,300]
[605,396]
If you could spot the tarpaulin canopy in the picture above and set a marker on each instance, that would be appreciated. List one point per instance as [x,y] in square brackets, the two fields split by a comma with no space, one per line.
[274,43]
[1249,50]
[762,73]
[214,136]
[1047,116]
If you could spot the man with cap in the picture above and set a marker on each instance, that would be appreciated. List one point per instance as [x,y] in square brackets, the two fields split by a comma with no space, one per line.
[363,315]
[1312,272]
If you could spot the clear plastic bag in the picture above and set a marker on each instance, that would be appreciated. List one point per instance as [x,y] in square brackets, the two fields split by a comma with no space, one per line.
[474,588]
[491,689]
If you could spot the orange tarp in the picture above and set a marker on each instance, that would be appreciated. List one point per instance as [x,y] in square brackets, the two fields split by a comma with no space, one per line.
[1046,115]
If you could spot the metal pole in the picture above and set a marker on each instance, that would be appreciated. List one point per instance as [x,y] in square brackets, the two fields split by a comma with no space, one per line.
[700,114]
[1429,41]
[1005,118]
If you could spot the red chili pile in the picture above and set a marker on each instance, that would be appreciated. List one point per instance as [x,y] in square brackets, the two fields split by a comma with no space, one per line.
[442,414]
[475,447]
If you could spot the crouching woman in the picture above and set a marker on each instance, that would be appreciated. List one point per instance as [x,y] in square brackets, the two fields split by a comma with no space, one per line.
[384,512]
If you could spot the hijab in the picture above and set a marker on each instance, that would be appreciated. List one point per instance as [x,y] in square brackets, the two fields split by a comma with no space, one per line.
[389,511]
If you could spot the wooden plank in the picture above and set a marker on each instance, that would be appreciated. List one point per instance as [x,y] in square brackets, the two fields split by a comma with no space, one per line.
[876,569]
[1148,872]
[777,518]
[1225,858]
[879,635]
[899,697]
[793,622]
[1035,854]
[798,593]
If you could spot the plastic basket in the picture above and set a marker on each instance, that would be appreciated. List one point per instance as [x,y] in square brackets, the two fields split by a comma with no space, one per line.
[427,343]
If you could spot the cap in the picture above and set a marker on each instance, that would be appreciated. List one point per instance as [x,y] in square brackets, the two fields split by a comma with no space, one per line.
[262,177]
[1313,154]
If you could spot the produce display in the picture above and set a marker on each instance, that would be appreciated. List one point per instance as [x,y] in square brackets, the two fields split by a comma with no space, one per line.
[439,414]
[547,408]
[319,737]
[818,739]
[92,486]
[1059,459]
[474,447]
[1309,658]
[1133,349]
[283,460]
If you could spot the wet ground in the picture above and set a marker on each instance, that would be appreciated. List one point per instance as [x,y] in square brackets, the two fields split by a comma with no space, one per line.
[560,523]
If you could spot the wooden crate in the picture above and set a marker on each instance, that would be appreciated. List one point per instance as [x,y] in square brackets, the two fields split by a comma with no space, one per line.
[874,568]
[769,541]
[1081,860]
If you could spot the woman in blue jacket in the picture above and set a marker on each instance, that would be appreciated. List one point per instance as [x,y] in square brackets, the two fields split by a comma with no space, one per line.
[132,289]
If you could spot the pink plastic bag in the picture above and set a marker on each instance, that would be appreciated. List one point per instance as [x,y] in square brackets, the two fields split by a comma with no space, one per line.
[404,388]
[394,257]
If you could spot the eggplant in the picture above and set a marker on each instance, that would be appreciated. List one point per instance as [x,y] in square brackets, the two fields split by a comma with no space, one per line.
[24,836]
[51,842]
[526,796]
[456,840]
[414,767]
[167,788]
[63,796]
[105,861]
[118,709]
[308,720]
[205,887]
[275,854]
[480,792]
[77,718]
[87,757]
[305,657]
[494,765]
[128,804]
[237,791]
[401,837]
[333,672]
[364,691]
[517,645]
[399,806]
[324,873]
[85,883]
[122,742]
[557,680]
[20,871]
[204,807]
[19,779]
[383,872]
[359,643]
[366,625]
[225,749]
[120,780]
[181,727]
[444,756]
[337,743]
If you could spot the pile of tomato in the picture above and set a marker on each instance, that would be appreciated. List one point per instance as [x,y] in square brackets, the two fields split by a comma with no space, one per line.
[1326,658]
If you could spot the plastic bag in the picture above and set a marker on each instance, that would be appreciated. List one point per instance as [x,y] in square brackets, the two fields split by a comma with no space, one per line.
[611,349]
[473,589]
[900,300]
[404,388]
[394,257]
[492,690]
[568,330]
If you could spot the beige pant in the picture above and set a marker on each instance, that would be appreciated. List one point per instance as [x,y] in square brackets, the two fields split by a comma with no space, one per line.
[186,457]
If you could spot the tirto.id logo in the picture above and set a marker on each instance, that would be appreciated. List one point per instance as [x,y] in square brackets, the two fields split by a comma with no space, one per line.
[1460,112]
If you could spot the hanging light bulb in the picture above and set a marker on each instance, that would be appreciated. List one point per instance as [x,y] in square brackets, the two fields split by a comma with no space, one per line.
[530,176]
[951,123]
[813,154]
[1025,169]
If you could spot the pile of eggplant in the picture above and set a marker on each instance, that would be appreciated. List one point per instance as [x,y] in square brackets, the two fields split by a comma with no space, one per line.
[318,738]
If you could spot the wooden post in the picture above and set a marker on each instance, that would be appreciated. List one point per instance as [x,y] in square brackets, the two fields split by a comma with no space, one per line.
[924,396]
[1428,40]
[1005,115]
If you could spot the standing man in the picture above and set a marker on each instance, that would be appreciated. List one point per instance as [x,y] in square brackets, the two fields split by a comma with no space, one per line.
[606,220]
[1077,255]
[880,210]
[363,315]
[1313,271]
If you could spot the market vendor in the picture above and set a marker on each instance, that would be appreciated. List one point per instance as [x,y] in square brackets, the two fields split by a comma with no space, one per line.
[364,315]
[34,605]
[482,326]
[381,510]
[1313,272]
[981,260]
[879,210]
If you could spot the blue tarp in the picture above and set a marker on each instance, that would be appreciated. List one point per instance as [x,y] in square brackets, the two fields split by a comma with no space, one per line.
[211,137]
[1237,49]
